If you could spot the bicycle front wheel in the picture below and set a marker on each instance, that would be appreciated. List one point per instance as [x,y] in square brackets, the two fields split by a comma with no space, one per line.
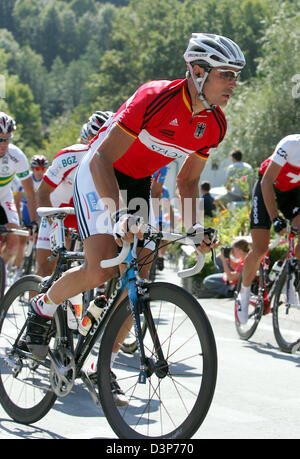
[286,312]
[25,392]
[177,393]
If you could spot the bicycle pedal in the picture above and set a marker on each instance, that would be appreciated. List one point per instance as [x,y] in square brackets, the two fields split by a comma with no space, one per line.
[90,387]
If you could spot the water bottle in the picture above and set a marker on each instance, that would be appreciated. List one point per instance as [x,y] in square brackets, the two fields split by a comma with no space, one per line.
[92,314]
[275,270]
[74,319]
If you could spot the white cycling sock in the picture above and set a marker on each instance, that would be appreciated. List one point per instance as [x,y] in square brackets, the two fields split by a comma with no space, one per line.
[244,298]
[45,306]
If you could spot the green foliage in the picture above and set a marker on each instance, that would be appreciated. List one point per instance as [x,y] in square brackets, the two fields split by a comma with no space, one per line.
[75,56]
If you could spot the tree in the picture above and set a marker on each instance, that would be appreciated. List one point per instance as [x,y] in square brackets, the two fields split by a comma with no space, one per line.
[20,104]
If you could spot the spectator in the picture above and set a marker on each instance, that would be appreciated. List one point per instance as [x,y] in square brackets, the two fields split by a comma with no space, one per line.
[239,181]
[209,205]
[222,284]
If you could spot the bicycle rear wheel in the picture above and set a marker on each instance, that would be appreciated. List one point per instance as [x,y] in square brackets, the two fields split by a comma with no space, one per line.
[286,316]
[24,383]
[178,391]
[256,307]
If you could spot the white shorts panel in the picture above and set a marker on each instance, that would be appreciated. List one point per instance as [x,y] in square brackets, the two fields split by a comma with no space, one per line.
[92,215]
[43,240]
[9,207]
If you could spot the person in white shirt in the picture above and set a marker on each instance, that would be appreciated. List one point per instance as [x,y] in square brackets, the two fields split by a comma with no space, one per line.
[13,162]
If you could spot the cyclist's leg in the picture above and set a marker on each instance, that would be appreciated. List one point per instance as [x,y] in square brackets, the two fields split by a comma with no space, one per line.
[88,275]
[296,222]
[43,250]
[260,232]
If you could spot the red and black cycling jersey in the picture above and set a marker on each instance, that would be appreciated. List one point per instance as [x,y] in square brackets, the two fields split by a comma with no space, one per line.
[159,117]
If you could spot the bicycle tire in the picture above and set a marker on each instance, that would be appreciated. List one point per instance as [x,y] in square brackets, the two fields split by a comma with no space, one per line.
[247,330]
[24,396]
[286,320]
[2,277]
[191,367]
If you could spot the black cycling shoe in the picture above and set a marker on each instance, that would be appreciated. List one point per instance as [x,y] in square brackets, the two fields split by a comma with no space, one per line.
[38,333]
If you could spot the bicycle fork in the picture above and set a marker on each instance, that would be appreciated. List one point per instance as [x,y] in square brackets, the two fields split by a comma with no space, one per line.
[138,303]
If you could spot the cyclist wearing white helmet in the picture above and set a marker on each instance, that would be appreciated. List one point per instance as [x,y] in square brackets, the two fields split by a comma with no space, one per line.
[210,52]
[13,162]
[162,121]
[96,120]
[84,135]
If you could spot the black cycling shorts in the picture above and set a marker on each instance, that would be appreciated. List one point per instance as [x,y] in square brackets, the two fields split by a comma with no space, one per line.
[3,216]
[136,195]
[288,202]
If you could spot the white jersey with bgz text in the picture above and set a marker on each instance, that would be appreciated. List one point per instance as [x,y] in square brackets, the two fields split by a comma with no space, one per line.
[60,175]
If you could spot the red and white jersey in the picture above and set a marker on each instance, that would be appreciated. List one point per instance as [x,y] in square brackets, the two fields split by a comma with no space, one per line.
[159,117]
[60,175]
[287,155]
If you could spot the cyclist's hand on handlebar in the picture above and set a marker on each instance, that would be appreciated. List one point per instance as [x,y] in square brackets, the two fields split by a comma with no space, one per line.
[279,225]
[204,238]
[128,226]
[208,243]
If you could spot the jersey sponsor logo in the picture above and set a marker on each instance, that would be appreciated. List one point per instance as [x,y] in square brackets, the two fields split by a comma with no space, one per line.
[282,153]
[69,161]
[161,147]
[93,201]
[200,129]
[174,122]
[166,151]
[23,174]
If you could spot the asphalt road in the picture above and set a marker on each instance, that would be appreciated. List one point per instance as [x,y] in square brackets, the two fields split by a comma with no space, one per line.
[257,394]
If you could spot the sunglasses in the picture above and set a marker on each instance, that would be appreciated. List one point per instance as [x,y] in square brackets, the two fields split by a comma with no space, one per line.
[5,140]
[39,168]
[228,75]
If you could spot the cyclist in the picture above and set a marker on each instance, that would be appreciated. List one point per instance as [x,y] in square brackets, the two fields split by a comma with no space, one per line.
[276,190]
[56,189]
[38,165]
[13,162]
[162,121]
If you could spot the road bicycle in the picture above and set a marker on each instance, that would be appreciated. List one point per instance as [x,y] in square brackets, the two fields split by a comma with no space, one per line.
[169,382]
[283,288]
[4,232]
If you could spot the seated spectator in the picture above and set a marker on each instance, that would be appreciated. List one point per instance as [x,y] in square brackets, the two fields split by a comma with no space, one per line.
[222,284]
[239,181]
[209,206]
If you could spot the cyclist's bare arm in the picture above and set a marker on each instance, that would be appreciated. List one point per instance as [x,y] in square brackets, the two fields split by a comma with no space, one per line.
[31,198]
[188,187]
[43,194]
[267,186]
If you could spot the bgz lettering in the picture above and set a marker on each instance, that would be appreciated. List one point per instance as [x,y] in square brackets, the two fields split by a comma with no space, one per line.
[69,161]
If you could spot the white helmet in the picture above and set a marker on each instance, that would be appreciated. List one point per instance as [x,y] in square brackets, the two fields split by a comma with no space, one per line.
[96,120]
[214,51]
[7,124]
[209,51]
[84,134]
